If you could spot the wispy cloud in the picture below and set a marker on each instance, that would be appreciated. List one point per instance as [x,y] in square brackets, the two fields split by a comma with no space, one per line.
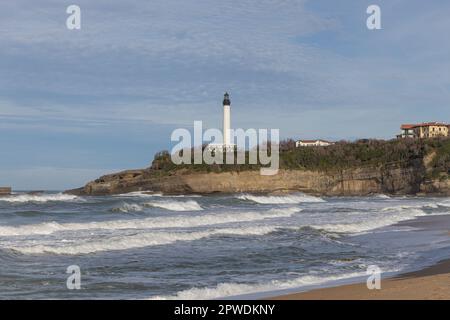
[310,68]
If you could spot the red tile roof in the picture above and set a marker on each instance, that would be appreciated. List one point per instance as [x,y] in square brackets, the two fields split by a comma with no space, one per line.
[423,124]
[427,124]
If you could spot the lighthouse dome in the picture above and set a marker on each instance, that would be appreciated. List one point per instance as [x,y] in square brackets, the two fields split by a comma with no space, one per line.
[226,99]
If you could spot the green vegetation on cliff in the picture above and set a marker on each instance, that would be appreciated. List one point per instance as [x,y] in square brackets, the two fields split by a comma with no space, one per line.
[440,164]
[342,155]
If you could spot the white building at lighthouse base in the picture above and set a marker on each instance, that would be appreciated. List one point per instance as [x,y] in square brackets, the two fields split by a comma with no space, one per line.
[220,147]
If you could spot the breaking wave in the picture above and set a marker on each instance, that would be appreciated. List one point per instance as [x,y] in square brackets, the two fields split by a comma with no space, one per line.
[148,194]
[147,223]
[233,289]
[445,203]
[189,205]
[287,199]
[382,196]
[137,241]
[389,217]
[405,207]
[39,198]
[127,207]
[138,194]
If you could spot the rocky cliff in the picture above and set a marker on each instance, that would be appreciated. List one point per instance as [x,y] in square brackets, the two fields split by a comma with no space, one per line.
[405,166]
[391,179]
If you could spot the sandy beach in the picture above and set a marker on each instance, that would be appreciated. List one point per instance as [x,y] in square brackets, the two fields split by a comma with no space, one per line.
[432,283]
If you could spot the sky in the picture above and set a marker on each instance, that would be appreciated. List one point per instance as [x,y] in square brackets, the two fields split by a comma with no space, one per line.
[76,104]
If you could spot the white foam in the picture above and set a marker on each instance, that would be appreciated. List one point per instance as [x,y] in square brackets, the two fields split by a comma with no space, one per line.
[138,194]
[382,196]
[376,220]
[39,198]
[287,199]
[147,223]
[148,194]
[136,241]
[223,290]
[177,195]
[172,205]
[407,207]
[444,203]
[127,207]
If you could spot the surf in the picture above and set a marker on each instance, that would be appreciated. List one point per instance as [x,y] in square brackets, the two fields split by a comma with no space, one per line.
[183,221]
[171,205]
[141,240]
[226,290]
[287,199]
[39,198]
[387,217]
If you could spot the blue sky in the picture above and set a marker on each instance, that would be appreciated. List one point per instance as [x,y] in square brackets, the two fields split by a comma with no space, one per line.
[78,104]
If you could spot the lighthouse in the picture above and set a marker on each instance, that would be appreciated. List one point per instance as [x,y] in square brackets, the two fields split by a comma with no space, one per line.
[226,120]
[227,143]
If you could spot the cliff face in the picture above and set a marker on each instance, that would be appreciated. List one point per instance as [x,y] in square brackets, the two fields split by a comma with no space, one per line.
[398,166]
[391,179]
[4,191]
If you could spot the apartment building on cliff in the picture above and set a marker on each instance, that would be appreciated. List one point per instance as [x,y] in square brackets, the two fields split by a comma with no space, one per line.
[424,130]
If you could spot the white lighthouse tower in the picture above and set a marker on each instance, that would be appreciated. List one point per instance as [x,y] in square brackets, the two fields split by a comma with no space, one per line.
[226,120]
[227,145]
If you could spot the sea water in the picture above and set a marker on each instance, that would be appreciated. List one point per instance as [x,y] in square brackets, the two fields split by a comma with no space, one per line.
[141,246]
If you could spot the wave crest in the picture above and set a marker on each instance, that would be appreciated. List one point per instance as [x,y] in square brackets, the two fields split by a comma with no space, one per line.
[234,289]
[287,199]
[127,207]
[392,216]
[172,205]
[39,198]
[137,241]
[147,223]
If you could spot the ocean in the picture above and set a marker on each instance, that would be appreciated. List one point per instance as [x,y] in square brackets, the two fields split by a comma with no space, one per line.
[141,246]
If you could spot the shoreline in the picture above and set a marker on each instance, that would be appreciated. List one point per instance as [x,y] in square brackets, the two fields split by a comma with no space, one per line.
[434,263]
[427,282]
[432,282]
